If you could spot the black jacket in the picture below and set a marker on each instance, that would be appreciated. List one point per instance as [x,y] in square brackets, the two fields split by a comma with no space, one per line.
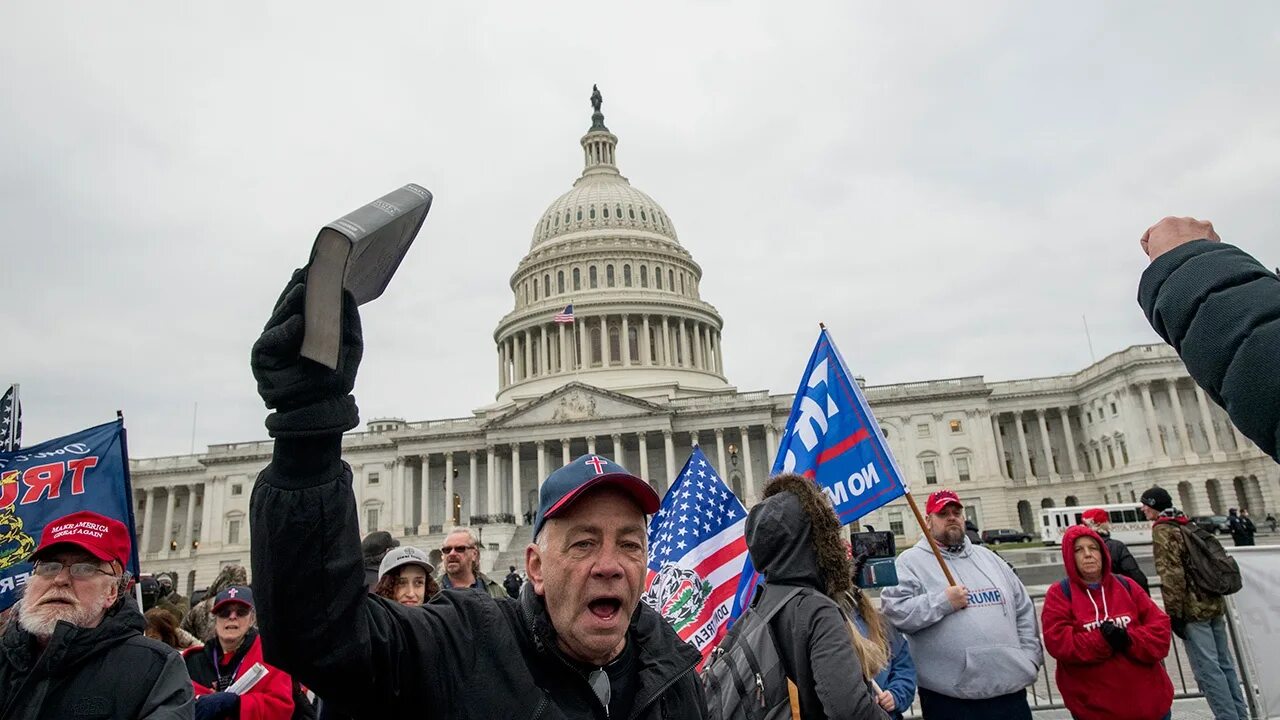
[463,655]
[1124,563]
[1220,309]
[107,672]
[811,632]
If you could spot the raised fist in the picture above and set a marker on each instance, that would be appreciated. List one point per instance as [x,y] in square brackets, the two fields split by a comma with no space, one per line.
[1171,232]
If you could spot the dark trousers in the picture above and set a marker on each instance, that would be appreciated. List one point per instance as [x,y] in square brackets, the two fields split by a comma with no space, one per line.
[936,706]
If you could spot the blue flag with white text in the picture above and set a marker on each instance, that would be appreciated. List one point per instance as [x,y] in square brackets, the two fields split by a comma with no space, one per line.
[87,470]
[833,438]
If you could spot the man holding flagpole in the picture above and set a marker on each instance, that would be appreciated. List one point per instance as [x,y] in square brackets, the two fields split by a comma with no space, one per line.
[976,644]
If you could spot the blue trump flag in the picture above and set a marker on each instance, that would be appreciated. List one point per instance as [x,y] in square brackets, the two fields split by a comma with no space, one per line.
[833,438]
[85,471]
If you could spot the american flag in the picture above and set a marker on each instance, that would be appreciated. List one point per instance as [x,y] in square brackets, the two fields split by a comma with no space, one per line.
[10,420]
[566,315]
[697,548]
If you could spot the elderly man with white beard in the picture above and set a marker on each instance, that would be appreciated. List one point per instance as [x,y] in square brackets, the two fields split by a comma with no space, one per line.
[76,648]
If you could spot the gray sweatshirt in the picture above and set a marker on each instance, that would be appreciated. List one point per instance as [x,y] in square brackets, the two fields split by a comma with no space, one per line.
[990,648]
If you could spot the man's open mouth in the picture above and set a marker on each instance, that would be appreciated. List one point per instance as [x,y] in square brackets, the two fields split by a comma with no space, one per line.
[605,608]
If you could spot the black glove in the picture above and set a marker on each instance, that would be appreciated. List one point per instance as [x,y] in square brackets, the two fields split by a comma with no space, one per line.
[1116,636]
[218,705]
[1179,627]
[309,398]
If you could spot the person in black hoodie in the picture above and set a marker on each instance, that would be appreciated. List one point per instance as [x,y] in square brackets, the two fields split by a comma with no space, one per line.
[578,643]
[76,648]
[1217,307]
[794,539]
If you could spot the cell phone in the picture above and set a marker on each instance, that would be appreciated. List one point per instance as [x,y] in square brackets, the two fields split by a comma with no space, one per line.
[878,573]
[874,544]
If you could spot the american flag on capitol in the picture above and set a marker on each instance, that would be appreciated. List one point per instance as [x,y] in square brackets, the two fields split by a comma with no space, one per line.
[10,420]
[566,315]
[697,547]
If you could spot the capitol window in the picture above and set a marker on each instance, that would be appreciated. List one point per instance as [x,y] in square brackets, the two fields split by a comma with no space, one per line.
[644,276]
[592,212]
[615,345]
[535,289]
[632,212]
[593,279]
[577,279]
[626,275]
[962,468]
[657,277]
[618,212]
[895,523]
[671,280]
[606,212]
[922,430]
[373,478]
[546,285]
[566,217]
[237,489]
[557,221]
[579,214]
[642,216]
[930,472]
[560,281]
[956,427]
[608,275]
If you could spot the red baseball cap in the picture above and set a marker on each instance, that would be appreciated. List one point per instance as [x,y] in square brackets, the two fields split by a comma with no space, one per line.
[940,499]
[102,537]
[1097,515]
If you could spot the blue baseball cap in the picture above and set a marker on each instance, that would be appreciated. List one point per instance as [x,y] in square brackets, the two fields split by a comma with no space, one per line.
[234,594]
[569,483]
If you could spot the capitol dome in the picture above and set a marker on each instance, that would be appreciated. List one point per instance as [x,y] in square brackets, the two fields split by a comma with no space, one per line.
[609,250]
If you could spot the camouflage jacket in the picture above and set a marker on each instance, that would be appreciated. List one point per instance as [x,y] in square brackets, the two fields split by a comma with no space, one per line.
[1182,600]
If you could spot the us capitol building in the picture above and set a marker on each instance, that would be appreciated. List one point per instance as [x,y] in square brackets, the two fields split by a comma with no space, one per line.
[640,377]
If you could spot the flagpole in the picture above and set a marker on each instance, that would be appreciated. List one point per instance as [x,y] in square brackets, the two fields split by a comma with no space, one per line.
[933,544]
[11,442]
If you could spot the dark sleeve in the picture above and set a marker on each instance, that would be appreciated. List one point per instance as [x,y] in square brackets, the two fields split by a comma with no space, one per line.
[317,622]
[1124,563]
[1220,309]
[823,663]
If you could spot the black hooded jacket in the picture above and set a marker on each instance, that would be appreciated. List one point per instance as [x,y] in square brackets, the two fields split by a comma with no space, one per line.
[811,632]
[463,655]
[107,672]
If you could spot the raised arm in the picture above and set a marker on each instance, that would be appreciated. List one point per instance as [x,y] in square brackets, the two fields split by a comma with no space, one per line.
[1220,309]
[317,621]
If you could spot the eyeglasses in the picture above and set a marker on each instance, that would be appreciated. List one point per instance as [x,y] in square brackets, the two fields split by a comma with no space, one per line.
[79,571]
[233,612]
[447,549]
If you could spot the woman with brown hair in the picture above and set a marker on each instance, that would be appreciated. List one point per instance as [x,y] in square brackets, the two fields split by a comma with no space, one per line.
[895,684]
[405,577]
[794,540]
[163,627]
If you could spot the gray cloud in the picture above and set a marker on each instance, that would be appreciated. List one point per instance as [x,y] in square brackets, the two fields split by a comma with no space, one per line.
[949,188]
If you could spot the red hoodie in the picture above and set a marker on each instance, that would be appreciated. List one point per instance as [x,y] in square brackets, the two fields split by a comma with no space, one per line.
[1096,682]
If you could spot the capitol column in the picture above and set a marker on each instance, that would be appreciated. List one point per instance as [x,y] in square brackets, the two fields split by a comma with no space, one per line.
[144,542]
[1071,441]
[584,357]
[686,358]
[604,342]
[1153,430]
[591,444]
[170,497]
[473,489]
[644,456]
[562,366]
[999,442]
[646,357]
[771,444]
[1049,470]
[1188,451]
[617,449]
[1022,445]
[1207,418]
[666,342]
[541,445]
[719,354]
[625,341]
[720,466]
[670,449]
[564,451]
[448,490]
[502,365]
[424,498]
[697,346]
[528,353]
[189,528]
[749,482]
[491,486]
[545,347]
[515,484]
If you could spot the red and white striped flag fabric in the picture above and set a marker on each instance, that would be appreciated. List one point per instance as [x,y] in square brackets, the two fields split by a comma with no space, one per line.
[566,315]
[697,548]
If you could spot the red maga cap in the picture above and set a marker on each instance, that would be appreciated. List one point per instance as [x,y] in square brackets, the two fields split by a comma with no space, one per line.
[102,537]
[1097,515]
[941,499]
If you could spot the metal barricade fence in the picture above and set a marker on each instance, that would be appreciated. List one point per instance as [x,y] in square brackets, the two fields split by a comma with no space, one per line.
[1044,695]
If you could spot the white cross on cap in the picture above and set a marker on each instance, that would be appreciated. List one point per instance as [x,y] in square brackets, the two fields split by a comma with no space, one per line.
[233,592]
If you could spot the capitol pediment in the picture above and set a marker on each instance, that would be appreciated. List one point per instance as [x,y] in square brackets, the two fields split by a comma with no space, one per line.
[577,402]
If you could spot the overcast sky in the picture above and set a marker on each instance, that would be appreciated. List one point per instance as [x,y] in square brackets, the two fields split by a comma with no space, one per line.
[949,186]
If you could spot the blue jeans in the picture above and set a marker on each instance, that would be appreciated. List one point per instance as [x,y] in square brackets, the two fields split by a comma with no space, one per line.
[1210,660]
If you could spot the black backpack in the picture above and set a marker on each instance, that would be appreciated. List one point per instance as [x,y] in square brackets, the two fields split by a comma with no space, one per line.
[1208,566]
[744,678]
